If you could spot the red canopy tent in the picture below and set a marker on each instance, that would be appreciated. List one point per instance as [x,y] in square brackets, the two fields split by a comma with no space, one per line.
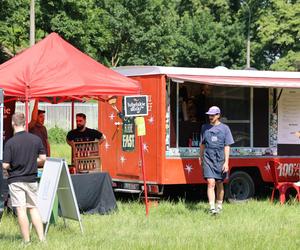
[54,68]
[56,71]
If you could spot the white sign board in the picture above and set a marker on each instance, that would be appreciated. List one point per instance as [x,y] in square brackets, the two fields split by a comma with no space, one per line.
[289,117]
[56,179]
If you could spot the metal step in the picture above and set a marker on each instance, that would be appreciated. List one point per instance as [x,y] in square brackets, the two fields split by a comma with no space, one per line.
[131,191]
[150,198]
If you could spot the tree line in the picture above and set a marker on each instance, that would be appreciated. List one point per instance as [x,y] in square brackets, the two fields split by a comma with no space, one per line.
[189,33]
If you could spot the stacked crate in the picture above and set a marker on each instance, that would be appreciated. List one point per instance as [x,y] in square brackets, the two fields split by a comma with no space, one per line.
[86,156]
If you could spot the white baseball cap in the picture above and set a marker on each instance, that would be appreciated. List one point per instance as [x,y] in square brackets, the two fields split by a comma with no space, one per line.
[213,110]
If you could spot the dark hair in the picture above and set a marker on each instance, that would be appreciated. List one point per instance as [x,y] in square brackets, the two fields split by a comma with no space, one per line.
[41,111]
[81,115]
[18,119]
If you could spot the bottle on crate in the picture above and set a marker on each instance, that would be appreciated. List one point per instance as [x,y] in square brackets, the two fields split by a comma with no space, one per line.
[81,151]
[76,151]
[96,148]
[193,140]
[93,148]
[84,150]
[88,150]
[196,140]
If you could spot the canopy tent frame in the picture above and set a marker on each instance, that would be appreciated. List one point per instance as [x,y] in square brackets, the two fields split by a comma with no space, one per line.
[55,71]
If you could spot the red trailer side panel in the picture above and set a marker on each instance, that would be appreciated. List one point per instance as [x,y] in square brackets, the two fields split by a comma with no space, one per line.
[126,165]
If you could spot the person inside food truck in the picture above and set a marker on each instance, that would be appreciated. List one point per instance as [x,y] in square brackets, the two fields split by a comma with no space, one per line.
[216,139]
[202,102]
[83,133]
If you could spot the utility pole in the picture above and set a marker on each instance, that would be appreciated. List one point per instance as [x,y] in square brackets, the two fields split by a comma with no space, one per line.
[32,23]
[31,43]
[248,35]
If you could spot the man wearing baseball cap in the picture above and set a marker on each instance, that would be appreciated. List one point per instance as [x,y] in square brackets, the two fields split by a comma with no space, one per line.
[216,139]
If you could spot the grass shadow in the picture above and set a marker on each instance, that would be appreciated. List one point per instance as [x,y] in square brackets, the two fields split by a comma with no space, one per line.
[195,207]
[9,237]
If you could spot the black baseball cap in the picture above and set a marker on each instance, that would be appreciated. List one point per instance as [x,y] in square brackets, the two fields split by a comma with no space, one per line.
[41,111]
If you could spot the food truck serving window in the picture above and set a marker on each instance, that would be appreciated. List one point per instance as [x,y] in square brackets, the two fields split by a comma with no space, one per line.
[188,103]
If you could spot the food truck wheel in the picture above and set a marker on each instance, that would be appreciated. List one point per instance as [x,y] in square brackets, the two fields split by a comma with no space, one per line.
[240,187]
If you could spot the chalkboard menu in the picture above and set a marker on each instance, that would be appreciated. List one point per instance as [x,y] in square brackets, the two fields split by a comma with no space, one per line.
[128,134]
[136,105]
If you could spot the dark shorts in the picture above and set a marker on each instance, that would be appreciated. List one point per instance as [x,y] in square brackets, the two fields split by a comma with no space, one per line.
[212,173]
[213,163]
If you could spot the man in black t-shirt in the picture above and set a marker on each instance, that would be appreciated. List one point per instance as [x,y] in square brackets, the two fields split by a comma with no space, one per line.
[22,155]
[82,133]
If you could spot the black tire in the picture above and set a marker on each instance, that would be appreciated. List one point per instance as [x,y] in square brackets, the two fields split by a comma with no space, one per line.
[240,187]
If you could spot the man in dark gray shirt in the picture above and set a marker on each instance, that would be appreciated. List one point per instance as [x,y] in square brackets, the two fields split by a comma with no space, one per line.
[22,155]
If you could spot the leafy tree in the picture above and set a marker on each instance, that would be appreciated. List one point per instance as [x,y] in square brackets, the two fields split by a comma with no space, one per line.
[277,43]
[14,23]
[199,33]
[210,36]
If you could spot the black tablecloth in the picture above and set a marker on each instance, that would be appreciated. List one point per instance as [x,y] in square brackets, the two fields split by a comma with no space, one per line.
[94,193]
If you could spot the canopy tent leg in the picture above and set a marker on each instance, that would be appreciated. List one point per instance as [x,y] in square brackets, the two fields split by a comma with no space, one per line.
[26,112]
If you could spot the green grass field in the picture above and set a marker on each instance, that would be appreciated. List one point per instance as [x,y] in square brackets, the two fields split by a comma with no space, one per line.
[181,225]
[61,151]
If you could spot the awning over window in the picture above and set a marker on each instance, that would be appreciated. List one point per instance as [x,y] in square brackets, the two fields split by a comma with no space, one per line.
[219,76]
[239,81]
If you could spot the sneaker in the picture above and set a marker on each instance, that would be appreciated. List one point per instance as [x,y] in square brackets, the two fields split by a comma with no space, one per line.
[219,210]
[213,211]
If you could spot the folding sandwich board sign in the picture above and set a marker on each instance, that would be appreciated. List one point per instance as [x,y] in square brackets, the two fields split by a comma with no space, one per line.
[56,179]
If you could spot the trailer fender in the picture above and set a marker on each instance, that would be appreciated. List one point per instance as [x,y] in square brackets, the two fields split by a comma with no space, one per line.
[240,187]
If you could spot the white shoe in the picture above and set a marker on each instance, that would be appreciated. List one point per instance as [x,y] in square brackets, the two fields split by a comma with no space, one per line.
[213,211]
[219,209]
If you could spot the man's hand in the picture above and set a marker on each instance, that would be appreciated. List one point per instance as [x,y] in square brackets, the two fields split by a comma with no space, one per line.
[225,167]
[5,173]
[102,139]
[200,160]
[71,143]
[41,160]
[6,166]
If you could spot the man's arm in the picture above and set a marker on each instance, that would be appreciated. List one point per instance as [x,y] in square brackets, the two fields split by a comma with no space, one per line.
[70,138]
[70,142]
[41,160]
[202,147]
[48,147]
[226,162]
[102,139]
[34,114]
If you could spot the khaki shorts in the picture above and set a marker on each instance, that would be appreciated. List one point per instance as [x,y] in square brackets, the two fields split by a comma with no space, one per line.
[23,194]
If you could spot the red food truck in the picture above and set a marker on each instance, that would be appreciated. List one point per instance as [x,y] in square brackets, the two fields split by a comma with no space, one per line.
[260,107]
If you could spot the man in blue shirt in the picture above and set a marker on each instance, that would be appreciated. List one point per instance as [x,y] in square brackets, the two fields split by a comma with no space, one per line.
[216,139]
